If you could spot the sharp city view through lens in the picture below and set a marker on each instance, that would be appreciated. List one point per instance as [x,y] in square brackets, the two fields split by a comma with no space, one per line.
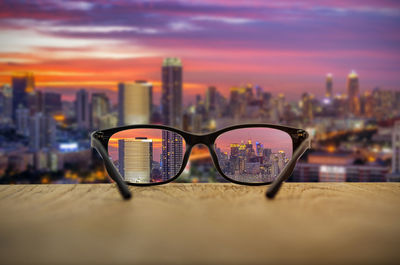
[68,68]
[258,159]
[147,155]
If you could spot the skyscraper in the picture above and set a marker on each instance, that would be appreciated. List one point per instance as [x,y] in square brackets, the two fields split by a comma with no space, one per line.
[171,98]
[52,103]
[100,107]
[396,148]
[307,107]
[42,131]
[6,107]
[135,103]
[172,154]
[22,116]
[211,101]
[82,109]
[22,85]
[135,158]
[329,86]
[35,102]
[171,109]
[353,93]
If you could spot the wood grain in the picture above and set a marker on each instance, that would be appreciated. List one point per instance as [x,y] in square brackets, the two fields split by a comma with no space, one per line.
[307,223]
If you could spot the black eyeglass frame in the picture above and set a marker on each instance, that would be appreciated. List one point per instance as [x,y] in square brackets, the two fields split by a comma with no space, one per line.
[300,140]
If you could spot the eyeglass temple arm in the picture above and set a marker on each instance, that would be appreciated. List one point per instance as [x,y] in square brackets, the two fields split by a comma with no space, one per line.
[287,171]
[111,169]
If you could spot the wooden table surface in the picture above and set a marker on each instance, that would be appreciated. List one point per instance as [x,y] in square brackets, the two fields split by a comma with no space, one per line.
[307,223]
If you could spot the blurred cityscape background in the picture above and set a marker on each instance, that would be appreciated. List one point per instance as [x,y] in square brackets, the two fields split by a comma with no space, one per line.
[68,68]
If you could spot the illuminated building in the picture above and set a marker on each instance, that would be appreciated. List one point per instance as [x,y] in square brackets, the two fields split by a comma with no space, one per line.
[197,122]
[395,174]
[82,109]
[6,103]
[384,104]
[353,93]
[42,131]
[307,107]
[135,103]
[211,101]
[108,121]
[329,86]
[135,158]
[100,107]
[22,85]
[172,154]
[306,172]
[171,92]
[234,150]
[259,92]
[396,148]
[367,105]
[259,149]
[171,111]
[275,165]
[266,154]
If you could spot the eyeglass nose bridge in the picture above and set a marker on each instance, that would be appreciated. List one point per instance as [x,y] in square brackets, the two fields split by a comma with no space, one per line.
[205,139]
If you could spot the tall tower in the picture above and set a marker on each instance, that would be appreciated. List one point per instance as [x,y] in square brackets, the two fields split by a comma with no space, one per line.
[135,103]
[171,98]
[135,157]
[396,148]
[353,93]
[329,85]
[22,85]
[100,107]
[172,154]
[82,109]
[42,132]
[6,101]
[171,107]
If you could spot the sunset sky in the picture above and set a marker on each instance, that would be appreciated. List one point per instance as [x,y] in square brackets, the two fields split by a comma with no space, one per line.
[283,46]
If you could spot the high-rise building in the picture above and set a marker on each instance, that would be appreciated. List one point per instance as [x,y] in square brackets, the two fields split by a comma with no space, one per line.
[171,93]
[353,93]
[211,101]
[135,103]
[135,157]
[35,102]
[22,121]
[22,85]
[82,109]
[171,109]
[259,149]
[6,101]
[42,132]
[100,107]
[307,107]
[395,174]
[52,103]
[172,154]
[329,86]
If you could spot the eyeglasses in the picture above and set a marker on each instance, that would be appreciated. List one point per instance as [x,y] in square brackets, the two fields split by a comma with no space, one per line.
[248,154]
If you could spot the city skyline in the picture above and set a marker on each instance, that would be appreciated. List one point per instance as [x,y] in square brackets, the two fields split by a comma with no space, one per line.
[286,48]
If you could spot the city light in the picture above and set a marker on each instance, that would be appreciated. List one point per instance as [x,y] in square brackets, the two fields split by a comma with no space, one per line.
[60,82]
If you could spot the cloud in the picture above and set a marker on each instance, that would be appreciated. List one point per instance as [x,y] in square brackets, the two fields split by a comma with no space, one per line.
[99,29]
[183,26]
[227,20]
[74,5]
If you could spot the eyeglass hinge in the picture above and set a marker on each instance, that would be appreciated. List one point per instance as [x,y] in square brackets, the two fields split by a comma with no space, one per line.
[302,134]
